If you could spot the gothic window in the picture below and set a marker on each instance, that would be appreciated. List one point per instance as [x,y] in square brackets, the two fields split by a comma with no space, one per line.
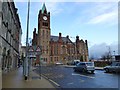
[3,58]
[47,34]
[43,33]
[45,24]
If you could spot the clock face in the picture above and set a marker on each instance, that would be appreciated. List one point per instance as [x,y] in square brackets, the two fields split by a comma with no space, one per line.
[44,17]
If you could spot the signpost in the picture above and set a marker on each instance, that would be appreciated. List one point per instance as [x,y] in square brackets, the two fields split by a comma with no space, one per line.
[33,51]
[38,53]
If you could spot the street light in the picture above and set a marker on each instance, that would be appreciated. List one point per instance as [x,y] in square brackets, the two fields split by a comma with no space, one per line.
[109,52]
[26,60]
[114,54]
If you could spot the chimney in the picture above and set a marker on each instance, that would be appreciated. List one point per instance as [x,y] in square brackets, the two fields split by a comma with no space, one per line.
[60,35]
[34,30]
[77,39]
[86,43]
[34,33]
[67,36]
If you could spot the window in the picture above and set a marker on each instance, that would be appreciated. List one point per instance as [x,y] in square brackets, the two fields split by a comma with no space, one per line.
[45,24]
[81,63]
[43,34]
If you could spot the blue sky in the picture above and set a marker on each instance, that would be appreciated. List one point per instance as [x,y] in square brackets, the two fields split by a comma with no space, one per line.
[95,21]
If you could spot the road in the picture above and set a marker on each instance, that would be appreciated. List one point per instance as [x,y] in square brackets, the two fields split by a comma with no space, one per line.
[67,78]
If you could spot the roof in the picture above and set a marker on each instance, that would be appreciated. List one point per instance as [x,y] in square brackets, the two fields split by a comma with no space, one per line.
[44,8]
[56,38]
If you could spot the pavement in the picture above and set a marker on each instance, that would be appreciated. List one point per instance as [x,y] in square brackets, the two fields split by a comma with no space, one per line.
[15,79]
[0,79]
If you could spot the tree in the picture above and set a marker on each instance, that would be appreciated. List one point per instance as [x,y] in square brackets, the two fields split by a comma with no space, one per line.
[106,56]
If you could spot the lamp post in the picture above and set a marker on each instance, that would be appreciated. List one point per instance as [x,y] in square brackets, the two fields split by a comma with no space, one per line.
[114,54]
[26,59]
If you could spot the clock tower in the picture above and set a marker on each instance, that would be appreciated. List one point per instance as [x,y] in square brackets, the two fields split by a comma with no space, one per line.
[43,38]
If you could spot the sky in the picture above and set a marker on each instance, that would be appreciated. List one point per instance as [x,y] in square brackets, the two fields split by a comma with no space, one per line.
[96,22]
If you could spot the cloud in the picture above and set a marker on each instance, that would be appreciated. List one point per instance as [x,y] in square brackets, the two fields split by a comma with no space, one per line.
[97,50]
[98,12]
[54,7]
[106,17]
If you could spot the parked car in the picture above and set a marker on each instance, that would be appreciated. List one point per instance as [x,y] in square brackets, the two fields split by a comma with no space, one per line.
[59,63]
[74,62]
[114,67]
[85,67]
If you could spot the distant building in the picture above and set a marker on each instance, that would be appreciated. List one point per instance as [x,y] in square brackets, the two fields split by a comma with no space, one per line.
[57,48]
[10,35]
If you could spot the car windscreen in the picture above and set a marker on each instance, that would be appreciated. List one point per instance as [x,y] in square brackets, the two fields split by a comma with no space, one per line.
[90,64]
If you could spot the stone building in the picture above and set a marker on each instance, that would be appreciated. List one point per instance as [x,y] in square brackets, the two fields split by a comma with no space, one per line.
[57,48]
[10,35]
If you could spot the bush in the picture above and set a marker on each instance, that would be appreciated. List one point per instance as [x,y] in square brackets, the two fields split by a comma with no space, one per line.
[101,63]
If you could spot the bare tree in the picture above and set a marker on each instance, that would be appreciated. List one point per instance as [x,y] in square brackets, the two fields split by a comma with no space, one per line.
[106,56]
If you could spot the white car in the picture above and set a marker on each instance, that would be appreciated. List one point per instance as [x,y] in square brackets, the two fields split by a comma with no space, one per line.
[85,67]
[114,67]
[59,63]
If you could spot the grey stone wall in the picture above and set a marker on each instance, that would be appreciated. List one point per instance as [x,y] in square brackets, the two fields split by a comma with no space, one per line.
[11,34]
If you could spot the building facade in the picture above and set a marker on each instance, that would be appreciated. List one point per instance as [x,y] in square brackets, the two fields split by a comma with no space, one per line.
[10,35]
[57,48]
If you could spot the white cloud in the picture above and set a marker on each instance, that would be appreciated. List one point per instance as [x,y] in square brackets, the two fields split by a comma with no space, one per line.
[106,12]
[106,17]
[54,7]
[98,50]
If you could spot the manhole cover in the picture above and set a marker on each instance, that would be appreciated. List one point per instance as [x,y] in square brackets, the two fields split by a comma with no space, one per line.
[36,77]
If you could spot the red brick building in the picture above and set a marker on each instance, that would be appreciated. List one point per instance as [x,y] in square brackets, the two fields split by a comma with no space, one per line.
[57,48]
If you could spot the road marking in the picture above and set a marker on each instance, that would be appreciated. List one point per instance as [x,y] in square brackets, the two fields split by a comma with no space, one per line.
[82,75]
[54,82]
[81,80]
[70,83]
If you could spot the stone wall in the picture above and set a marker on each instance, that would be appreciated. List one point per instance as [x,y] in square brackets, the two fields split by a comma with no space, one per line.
[10,36]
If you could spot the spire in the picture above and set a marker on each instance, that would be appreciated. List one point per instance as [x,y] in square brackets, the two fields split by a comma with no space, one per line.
[44,10]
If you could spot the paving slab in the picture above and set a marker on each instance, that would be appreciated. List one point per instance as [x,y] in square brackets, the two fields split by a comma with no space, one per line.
[15,79]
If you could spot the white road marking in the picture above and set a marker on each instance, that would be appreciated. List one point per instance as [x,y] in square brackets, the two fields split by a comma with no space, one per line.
[81,80]
[55,83]
[70,83]
[83,75]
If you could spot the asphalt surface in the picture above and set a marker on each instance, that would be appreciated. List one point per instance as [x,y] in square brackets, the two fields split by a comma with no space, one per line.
[67,78]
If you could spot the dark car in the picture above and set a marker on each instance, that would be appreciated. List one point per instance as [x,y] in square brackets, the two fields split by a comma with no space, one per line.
[114,67]
[85,67]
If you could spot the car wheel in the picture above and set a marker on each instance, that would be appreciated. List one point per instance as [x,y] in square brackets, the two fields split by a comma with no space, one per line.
[92,71]
[75,70]
[83,70]
[106,70]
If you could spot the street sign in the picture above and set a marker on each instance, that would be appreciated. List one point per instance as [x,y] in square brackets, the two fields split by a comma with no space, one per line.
[38,49]
[30,49]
